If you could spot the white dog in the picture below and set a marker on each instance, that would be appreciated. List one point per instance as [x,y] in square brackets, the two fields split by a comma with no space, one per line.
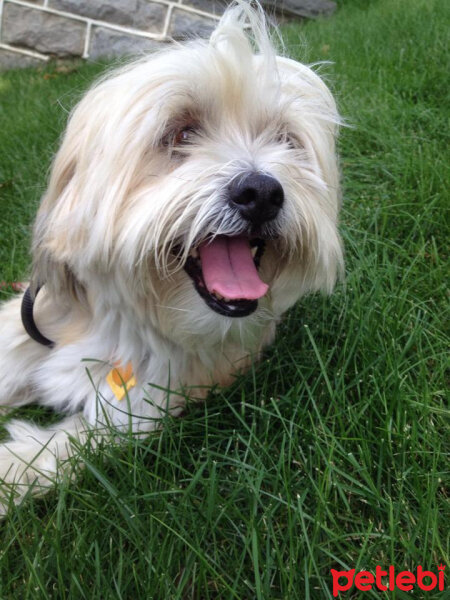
[194,199]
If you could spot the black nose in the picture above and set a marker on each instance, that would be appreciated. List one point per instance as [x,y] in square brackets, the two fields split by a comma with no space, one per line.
[258,197]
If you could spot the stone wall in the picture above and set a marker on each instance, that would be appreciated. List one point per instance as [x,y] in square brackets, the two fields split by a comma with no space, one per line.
[32,31]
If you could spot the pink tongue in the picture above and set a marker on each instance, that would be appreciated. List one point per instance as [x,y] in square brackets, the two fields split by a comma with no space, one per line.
[229,270]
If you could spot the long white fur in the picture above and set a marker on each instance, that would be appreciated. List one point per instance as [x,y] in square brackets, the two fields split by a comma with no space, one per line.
[119,202]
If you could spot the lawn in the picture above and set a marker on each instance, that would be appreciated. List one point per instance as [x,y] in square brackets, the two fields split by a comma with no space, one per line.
[333,451]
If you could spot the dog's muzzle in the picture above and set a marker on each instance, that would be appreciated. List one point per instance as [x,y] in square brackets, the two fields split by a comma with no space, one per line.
[225,274]
[257,197]
[225,269]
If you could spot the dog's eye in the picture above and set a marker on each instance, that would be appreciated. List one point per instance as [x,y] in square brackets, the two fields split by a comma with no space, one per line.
[184,136]
[287,138]
[178,137]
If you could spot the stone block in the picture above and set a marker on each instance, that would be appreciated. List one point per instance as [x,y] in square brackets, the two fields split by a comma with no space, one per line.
[15,60]
[301,8]
[186,25]
[109,43]
[215,7]
[42,31]
[309,9]
[138,14]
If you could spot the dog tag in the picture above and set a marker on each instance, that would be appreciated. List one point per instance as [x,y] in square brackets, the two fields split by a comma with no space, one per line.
[121,380]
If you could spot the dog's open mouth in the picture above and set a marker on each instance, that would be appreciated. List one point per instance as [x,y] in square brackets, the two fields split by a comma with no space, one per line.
[225,274]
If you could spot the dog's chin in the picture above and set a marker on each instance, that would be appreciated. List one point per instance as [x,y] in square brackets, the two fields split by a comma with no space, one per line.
[228,307]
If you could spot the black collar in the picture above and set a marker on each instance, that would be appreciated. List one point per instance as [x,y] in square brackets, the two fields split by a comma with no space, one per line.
[28,319]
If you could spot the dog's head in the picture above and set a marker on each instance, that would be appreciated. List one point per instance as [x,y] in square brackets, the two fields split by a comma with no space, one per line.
[198,185]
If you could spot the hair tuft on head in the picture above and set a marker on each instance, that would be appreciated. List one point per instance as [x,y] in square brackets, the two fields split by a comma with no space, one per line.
[244,23]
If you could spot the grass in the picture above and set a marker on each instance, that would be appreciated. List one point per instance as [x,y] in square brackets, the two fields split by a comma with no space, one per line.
[333,451]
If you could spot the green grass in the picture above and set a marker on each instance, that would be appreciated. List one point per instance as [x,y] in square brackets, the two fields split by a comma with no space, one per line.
[333,451]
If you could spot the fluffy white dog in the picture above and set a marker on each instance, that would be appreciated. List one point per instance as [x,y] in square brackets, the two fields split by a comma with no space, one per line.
[194,199]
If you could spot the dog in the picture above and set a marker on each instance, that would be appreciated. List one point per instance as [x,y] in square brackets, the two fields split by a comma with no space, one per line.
[194,199]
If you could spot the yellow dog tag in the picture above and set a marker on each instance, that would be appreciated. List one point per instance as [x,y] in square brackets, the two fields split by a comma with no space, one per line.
[121,380]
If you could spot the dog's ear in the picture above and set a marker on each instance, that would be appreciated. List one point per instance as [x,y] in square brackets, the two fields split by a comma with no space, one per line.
[55,238]
[308,83]
[91,177]
[74,226]
[315,121]
[317,116]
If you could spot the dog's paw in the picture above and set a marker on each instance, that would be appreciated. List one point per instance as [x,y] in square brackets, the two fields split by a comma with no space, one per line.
[34,459]
[24,470]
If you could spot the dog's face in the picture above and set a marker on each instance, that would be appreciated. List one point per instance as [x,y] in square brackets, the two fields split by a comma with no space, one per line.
[199,188]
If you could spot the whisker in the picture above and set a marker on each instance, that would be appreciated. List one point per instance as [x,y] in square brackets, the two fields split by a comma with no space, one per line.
[186,310]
